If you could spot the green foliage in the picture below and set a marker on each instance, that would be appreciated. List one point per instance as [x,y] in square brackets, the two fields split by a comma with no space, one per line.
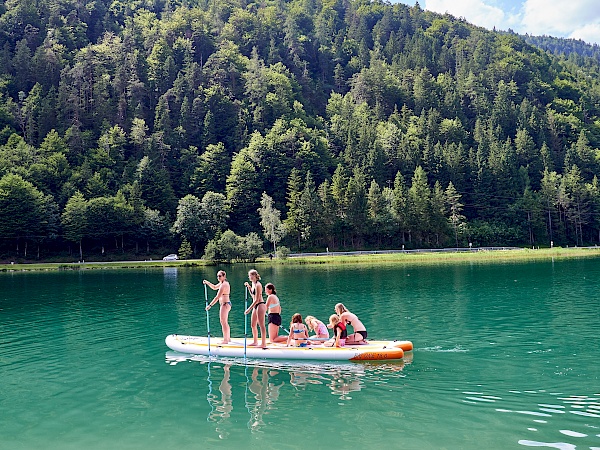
[230,247]
[283,252]
[185,250]
[367,124]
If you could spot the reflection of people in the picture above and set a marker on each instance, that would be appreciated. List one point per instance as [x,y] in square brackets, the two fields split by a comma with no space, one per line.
[298,332]
[299,379]
[360,332]
[221,409]
[258,308]
[274,317]
[265,395]
[223,293]
[343,384]
[339,332]
[318,327]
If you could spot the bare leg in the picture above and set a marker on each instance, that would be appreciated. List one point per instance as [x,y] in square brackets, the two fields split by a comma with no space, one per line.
[224,316]
[260,313]
[356,339]
[253,323]
[274,334]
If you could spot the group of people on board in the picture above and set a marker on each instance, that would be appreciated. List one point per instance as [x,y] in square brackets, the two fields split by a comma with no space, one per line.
[299,332]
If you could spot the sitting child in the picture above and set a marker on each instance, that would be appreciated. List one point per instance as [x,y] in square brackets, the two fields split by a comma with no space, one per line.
[298,332]
[339,332]
[319,328]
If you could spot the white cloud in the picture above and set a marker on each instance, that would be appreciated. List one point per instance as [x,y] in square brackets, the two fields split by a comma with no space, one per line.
[559,17]
[475,11]
[578,19]
[588,33]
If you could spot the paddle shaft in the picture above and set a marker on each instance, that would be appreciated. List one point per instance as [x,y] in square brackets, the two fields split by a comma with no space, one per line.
[207,318]
[245,319]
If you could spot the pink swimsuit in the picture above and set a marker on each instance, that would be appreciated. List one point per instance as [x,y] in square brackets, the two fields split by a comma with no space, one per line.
[322,329]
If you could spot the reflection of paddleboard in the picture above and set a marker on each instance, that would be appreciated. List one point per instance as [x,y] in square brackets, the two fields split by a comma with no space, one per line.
[374,350]
[297,366]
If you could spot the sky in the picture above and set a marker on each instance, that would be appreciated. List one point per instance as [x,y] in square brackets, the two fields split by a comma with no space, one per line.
[577,19]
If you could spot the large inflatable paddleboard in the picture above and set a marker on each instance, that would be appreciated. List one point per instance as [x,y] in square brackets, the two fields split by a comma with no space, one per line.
[374,350]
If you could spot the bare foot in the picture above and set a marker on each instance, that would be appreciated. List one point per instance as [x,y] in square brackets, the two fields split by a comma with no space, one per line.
[224,342]
[254,344]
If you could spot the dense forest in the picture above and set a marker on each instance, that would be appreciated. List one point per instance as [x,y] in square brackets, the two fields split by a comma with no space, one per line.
[565,46]
[136,127]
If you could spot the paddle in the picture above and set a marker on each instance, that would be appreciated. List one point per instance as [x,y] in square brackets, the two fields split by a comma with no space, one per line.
[245,319]
[207,318]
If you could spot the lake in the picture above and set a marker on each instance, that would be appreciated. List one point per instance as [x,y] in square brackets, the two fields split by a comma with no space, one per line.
[506,356]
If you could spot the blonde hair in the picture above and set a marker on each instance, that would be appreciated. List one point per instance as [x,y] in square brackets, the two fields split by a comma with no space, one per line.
[340,308]
[254,273]
[311,322]
[334,319]
[222,272]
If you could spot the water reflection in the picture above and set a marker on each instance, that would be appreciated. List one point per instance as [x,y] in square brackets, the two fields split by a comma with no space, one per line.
[269,387]
[221,405]
[263,387]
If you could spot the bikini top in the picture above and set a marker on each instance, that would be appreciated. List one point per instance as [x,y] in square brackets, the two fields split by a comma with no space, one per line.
[301,330]
[274,305]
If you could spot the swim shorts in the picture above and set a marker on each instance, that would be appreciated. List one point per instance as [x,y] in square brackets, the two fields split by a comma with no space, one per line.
[274,318]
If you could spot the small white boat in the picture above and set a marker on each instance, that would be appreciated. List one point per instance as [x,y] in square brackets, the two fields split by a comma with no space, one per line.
[373,351]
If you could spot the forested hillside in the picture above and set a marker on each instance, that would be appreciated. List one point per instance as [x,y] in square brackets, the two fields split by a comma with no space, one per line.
[131,126]
[565,46]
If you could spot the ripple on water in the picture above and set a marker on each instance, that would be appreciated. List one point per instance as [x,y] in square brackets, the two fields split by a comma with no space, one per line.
[550,413]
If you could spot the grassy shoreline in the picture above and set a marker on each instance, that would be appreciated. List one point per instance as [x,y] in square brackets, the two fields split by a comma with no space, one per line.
[524,255]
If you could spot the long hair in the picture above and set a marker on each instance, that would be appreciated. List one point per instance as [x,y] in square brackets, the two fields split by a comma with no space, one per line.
[271,287]
[254,273]
[340,308]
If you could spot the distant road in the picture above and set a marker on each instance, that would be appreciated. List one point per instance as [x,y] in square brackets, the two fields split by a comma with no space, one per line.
[422,250]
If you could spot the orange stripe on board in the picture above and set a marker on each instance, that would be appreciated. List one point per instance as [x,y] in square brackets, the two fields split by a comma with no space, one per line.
[397,353]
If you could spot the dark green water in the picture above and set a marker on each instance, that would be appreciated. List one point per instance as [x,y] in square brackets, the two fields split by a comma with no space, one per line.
[506,356]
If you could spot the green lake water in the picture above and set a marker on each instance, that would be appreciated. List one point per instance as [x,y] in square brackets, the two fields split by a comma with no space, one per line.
[506,356]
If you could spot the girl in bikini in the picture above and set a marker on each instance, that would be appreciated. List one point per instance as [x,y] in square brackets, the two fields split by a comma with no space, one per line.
[274,314]
[223,292]
[258,308]
[360,332]
[319,328]
[298,332]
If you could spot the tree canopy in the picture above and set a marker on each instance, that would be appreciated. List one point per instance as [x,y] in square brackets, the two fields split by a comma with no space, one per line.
[366,124]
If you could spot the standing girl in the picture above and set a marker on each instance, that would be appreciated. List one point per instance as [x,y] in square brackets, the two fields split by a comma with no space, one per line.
[223,290]
[258,308]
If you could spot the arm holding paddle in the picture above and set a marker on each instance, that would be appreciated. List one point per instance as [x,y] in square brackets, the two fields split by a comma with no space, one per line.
[219,292]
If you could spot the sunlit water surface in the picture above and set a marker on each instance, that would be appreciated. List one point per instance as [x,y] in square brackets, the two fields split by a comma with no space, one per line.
[506,356]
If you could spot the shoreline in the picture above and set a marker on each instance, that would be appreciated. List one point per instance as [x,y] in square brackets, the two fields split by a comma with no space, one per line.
[402,258]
